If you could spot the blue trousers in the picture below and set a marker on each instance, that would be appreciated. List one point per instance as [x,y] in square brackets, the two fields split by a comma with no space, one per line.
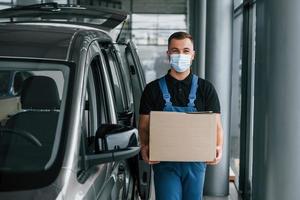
[179,180]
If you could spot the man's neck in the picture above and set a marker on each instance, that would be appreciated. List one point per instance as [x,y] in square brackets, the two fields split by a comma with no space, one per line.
[180,75]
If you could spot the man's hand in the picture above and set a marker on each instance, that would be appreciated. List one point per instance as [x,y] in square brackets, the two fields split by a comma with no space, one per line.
[144,138]
[219,142]
[218,156]
[145,154]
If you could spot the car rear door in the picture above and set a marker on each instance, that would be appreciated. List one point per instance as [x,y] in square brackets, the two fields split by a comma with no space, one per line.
[133,65]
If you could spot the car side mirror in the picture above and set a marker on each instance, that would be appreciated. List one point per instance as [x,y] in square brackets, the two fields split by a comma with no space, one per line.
[111,137]
[114,142]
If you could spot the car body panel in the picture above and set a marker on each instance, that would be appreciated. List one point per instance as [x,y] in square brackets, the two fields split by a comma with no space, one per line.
[50,41]
[36,42]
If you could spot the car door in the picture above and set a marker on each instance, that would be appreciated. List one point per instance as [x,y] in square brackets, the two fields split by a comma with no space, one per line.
[111,180]
[132,64]
[97,109]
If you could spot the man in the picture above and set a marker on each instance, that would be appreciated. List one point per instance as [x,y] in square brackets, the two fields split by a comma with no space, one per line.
[176,92]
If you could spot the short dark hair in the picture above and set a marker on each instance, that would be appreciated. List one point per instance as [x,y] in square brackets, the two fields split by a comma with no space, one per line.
[179,36]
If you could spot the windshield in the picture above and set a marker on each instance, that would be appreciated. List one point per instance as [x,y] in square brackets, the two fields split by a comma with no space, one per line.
[30,128]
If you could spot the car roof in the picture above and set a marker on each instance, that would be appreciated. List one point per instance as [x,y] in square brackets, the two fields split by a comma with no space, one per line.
[43,40]
[94,16]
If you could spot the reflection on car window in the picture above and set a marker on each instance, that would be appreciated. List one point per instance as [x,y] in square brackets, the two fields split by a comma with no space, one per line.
[17,83]
[11,82]
[4,83]
[29,123]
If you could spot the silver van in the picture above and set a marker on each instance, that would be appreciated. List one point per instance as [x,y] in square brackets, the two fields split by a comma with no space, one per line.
[73,134]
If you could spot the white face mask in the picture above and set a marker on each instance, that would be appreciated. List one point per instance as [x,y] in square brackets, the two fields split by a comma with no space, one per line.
[180,62]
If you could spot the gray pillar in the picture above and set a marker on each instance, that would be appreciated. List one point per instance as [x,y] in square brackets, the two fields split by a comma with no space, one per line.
[276,142]
[197,28]
[218,71]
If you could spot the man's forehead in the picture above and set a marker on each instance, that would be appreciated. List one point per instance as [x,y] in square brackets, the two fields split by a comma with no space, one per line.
[181,47]
[181,43]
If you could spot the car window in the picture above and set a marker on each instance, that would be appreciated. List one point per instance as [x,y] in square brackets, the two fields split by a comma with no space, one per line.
[31,122]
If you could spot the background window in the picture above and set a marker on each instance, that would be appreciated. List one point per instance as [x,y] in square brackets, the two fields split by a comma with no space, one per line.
[150,32]
[236,96]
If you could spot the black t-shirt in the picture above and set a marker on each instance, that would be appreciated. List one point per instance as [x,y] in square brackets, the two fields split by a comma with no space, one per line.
[206,100]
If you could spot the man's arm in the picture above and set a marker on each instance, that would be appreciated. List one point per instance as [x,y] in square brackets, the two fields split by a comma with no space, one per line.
[144,123]
[144,129]
[219,149]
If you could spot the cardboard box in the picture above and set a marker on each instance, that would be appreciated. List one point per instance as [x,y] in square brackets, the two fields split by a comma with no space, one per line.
[177,136]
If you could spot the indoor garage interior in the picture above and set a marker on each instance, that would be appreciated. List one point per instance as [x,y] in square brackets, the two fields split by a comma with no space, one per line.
[248,49]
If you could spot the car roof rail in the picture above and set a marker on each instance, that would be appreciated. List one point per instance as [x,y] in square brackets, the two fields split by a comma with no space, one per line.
[50,5]
[96,17]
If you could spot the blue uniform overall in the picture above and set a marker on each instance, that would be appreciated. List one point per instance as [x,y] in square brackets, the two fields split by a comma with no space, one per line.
[179,180]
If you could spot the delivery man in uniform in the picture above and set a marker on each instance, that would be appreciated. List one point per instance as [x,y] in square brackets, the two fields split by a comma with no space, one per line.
[179,91]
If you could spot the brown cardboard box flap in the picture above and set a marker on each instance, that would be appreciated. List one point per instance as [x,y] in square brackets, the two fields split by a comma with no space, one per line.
[177,136]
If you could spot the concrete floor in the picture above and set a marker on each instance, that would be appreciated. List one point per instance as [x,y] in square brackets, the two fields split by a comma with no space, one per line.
[233,195]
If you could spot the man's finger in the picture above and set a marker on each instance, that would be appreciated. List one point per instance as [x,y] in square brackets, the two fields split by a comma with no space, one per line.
[211,162]
[153,162]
